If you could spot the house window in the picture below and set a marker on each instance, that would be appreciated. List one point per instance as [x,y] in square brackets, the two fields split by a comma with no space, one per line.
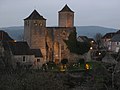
[38,60]
[117,49]
[117,43]
[109,47]
[23,58]
[110,43]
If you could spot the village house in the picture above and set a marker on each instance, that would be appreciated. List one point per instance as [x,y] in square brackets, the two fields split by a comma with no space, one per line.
[85,39]
[107,40]
[115,43]
[82,39]
[18,54]
[111,41]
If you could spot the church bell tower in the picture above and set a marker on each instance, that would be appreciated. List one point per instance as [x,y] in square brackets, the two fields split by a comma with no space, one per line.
[66,17]
[35,31]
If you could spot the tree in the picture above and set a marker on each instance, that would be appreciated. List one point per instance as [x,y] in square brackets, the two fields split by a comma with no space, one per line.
[76,47]
[98,39]
[98,77]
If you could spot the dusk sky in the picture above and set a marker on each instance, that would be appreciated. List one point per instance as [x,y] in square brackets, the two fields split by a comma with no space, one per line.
[104,13]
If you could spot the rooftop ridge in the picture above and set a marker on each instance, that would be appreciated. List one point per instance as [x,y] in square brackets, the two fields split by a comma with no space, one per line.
[35,16]
[66,9]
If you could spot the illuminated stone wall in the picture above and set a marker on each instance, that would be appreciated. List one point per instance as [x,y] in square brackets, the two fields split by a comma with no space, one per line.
[66,19]
[50,40]
[34,34]
[55,41]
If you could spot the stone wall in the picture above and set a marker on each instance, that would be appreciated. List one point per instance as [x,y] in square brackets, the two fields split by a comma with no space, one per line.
[28,59]
[66,19]
[55,41]
[35,35]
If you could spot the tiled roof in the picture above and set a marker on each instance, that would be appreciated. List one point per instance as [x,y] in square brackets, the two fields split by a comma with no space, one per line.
[37,52]
[83,38]
[118,32]
[108,35]
[35,16]
[4,36]
[20,48]
[91,39]
[66,9]
[116,38]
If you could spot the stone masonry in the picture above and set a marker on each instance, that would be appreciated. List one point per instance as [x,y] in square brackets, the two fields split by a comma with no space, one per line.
[50,40]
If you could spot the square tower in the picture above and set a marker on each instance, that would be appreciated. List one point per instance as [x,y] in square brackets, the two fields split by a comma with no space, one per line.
[66,17]
[35,32]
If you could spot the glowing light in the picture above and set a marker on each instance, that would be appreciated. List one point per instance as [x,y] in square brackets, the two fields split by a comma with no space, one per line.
[91,48]
[87,66]
[92,41]
[62,69]
[56,55]
[99,53]
[14,40]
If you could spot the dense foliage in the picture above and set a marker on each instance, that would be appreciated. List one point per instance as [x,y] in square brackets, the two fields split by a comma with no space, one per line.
[30,80]
[76,47]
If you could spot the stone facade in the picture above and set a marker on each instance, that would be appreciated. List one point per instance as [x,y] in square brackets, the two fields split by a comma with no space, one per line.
[24,60]
[66,17]
[50,40]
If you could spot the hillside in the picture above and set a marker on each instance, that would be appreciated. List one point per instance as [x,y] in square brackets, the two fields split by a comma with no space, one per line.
[90,31]
[15,32]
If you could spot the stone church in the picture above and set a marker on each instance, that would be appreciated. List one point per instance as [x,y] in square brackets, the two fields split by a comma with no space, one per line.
[50,40]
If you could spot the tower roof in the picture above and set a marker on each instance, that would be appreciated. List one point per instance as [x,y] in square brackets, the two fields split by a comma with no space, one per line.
[66,9]
[5,37]
[35,16]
